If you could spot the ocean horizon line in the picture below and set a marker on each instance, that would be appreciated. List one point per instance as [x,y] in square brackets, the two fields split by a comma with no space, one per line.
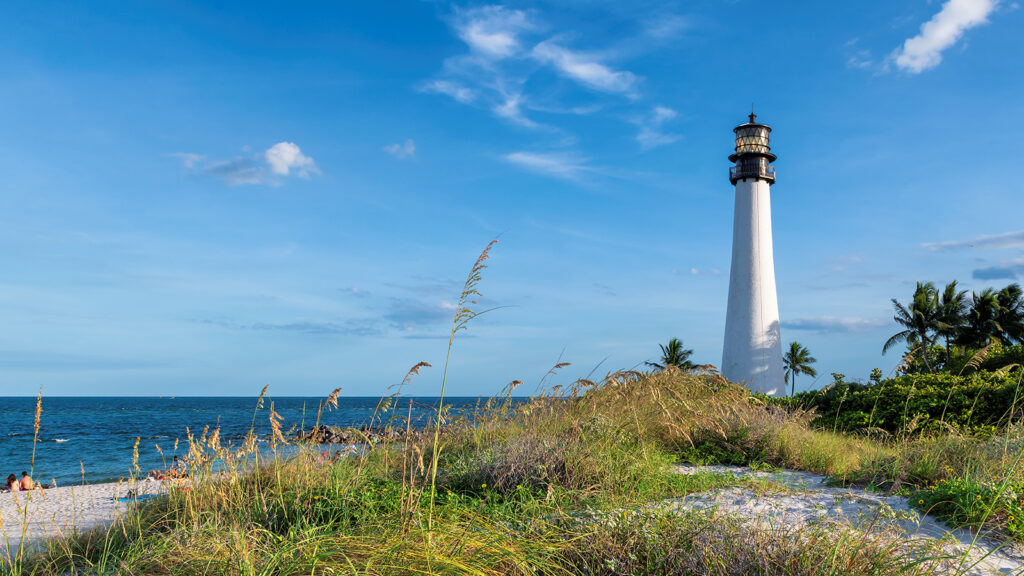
[254,397]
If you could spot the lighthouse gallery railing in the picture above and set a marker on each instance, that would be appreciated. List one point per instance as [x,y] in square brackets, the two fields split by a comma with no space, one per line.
[752,171]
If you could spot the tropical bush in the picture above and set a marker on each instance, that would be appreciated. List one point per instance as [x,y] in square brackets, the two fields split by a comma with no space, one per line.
[914,403]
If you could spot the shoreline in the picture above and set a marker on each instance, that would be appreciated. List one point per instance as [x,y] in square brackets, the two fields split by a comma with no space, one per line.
[63,511]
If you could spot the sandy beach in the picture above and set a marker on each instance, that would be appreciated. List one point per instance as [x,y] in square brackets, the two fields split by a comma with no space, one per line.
[60,511]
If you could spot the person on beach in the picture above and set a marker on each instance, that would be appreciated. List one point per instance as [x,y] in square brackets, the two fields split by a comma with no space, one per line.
[26,482]
[180,468]
[12,483]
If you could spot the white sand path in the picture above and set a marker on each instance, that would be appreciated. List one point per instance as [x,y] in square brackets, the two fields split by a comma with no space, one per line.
[810,501]
[62,511]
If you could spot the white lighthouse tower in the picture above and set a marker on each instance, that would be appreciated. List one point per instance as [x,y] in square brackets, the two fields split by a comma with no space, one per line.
[752,354]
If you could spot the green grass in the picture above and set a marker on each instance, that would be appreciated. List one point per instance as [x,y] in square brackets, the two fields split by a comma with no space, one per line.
[559,484]
[513,485]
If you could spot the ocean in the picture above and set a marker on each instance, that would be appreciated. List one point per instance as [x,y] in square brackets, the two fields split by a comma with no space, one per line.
[96,434]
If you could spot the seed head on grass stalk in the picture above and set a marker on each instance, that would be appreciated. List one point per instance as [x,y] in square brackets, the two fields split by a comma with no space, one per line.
[275,424]
[332,398]
[464,312]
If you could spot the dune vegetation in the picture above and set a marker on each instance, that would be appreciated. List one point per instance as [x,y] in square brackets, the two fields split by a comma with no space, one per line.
[558,483]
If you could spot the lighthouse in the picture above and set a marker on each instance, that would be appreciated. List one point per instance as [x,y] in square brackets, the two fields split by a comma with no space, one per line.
[752,354]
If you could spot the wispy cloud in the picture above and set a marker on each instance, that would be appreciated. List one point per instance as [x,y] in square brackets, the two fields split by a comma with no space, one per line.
[356,291]
[360,327]
[831,324]
[492,31]
[992,241]
[698,272]
[455,90]
[505,50]
[585,69]
[511,109]
[560,165]
[1008,270]
[663,26]
[240,170]
[402,151]
[857,57]
[187,160]
[353,326]
[924,51]
[410,313]
[277,162]
[651,134]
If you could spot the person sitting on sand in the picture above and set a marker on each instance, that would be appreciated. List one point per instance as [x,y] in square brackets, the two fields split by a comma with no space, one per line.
[180,469]
[26,482]
[12,483]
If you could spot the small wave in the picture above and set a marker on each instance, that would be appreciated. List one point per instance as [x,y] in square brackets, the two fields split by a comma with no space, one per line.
[61,440]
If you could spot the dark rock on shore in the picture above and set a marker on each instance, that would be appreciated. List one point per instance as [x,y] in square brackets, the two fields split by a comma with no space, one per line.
[324,434]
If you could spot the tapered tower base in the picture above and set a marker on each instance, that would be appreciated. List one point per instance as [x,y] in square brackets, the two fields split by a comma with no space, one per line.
[752,354]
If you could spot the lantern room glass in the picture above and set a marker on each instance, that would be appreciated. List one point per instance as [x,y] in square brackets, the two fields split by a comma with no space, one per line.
[752,138]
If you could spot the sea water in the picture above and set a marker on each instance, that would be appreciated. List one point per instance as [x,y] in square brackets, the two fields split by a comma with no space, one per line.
[97,434]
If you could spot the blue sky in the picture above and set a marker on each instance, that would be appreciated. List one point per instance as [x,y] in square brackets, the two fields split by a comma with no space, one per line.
[203,199]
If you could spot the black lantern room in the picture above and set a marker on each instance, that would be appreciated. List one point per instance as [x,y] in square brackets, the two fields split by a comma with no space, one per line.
[753,156]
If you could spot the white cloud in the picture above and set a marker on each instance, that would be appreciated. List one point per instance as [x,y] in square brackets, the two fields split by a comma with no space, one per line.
[492,30]
[457,91]
[559,165]
[402,151]
[993,242]
[283,157]
[924,51]
[585,69]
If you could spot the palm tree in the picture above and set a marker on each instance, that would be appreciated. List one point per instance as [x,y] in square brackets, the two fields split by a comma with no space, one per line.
[952,314]
[983,320]
[918,320]
[674,355]
[798,361]
[1011,314]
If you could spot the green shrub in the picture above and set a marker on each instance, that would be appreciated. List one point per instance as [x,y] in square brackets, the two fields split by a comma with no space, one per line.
[977,403]
[995,358]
